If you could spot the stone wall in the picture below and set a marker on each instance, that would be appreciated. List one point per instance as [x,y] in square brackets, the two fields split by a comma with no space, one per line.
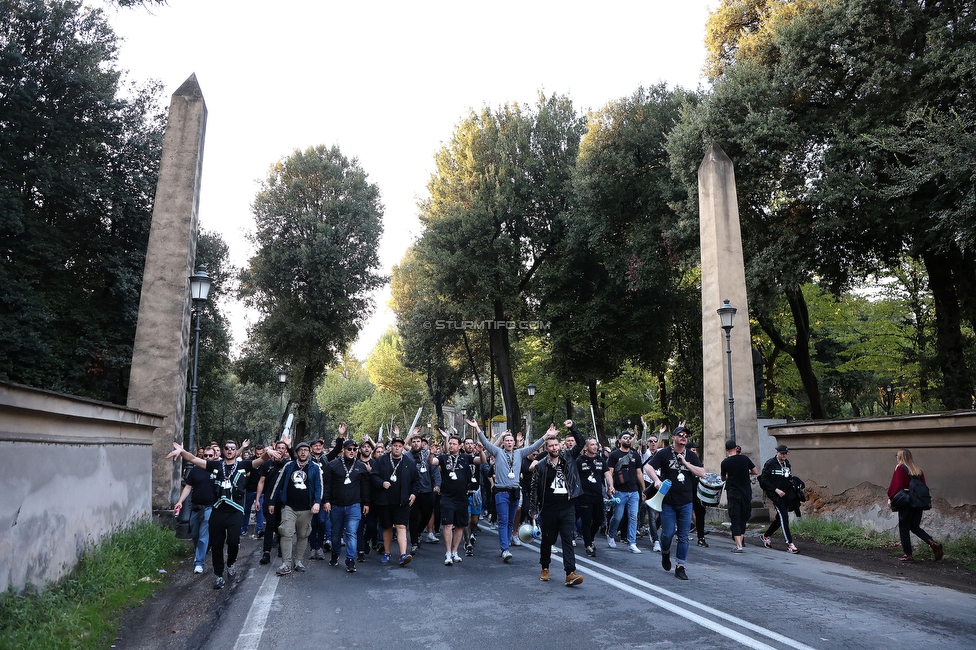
[847,466]
[74,470]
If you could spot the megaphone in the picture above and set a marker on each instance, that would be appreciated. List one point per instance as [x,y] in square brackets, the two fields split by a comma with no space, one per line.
[655,502]
[529,532]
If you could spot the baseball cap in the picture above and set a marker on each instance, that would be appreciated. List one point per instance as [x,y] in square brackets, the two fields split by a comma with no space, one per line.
[349,443]
[300,445]
[782,449]
[730,444]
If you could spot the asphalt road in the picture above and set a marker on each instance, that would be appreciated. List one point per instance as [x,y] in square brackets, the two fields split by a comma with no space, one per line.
[761,599]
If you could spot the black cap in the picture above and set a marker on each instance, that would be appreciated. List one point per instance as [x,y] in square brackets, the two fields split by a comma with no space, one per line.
[319,441]
[730,444]
[397,439]
[782,449]
[300,445]
[685,430]
[349,443]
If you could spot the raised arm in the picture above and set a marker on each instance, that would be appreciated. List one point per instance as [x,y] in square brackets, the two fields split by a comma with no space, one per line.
[179,452]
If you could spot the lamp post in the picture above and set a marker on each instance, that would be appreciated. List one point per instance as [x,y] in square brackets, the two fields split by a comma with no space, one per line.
[464,423]
[200,285]
[889,402]
[726,312]
[530,389]
[282,379]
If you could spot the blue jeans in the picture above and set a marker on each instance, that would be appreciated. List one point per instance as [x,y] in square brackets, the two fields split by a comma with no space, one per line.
[200,534]
[628,500]
[506,504]
[321,530]
[258,516]
[675,518]
[345,523]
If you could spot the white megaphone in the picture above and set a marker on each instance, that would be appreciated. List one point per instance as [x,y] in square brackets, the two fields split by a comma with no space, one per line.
[529,532]
[655,502]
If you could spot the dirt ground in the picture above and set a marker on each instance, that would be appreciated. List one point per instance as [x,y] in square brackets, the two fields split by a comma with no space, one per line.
[178,616]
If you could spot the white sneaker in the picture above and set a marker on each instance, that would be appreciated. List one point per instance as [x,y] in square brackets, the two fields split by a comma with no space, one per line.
[448,560]
[633,548]
[455,557]
[516,541]
[610,542]
[431,538]
[506,555]
[657,547]
[198,569]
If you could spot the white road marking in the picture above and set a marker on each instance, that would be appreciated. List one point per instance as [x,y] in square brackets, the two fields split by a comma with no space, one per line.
[257,616]
[746,641]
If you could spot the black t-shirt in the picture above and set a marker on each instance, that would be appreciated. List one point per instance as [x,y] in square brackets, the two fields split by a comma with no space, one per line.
[270,471]
[682,486]
[591,471]
[252,479]
[297,496]
[736,470]
[202,484]
[624,476]
[455,474]
[230,481]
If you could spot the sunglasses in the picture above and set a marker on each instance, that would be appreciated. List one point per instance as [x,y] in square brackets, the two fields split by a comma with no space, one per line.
[653,440]
[230,448]
[208,455]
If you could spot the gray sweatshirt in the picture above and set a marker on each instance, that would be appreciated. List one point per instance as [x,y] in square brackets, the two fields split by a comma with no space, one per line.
[507,463]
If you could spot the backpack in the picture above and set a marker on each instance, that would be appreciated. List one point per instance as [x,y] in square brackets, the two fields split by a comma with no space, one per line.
[623,470]
[918,494]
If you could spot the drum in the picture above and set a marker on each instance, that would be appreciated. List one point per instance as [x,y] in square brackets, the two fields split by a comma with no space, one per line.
[710,489]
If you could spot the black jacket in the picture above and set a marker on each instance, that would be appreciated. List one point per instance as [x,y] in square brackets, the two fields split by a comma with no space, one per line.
[774,477]
[574,486]
[334,488]
[407,483]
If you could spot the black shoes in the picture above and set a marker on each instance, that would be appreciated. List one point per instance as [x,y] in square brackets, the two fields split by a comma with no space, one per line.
[680,574]
[666,561]
[350,565]
[334,560]
[266,558]
[702,542]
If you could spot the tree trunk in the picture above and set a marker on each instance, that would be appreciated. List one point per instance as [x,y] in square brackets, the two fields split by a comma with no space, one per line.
[477,381]
[502,352]
[801,356]
[957,384]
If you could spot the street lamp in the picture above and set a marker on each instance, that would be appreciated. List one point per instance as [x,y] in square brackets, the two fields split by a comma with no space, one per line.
[282,378]
[530,389]
[726,312]
[199,290]
[464,422]
[890,402]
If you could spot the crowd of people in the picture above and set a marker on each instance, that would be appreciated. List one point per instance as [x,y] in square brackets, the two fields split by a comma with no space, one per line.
[361,497]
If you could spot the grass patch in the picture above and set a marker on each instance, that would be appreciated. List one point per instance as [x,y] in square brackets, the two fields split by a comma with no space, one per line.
[84,609]
[962,550]
[841,533]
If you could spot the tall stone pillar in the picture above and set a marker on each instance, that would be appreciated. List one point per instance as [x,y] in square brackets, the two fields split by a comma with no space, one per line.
[724,278]
[157,382]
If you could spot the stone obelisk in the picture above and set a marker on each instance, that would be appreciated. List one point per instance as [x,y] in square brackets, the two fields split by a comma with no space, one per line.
[157,382]
[724,278]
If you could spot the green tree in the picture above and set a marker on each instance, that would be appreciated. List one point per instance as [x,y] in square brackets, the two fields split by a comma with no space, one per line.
[79,159]
[494,216]
[318,224]
[344,387]
[798,115]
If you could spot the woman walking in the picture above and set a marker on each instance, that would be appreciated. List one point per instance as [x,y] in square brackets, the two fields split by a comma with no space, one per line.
[909,519]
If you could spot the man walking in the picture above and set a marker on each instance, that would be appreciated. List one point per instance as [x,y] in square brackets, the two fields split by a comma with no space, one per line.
[456,470]
[269,476]
[430,483]
[678,465]
[227,517]
[624,470]
[395,481]
[736,470]
[555,484]
[345,495]
[199,486]
[508,464]
[776,481]
[298,493]
[592,470]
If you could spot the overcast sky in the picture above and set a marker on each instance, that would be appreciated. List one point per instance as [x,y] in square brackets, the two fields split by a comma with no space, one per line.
[387,82]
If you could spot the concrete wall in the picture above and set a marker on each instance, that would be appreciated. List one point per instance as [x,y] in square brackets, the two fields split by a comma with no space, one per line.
[848,465]
[74,470]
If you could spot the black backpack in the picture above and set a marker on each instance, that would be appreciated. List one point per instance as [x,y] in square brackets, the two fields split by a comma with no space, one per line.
[919,497]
